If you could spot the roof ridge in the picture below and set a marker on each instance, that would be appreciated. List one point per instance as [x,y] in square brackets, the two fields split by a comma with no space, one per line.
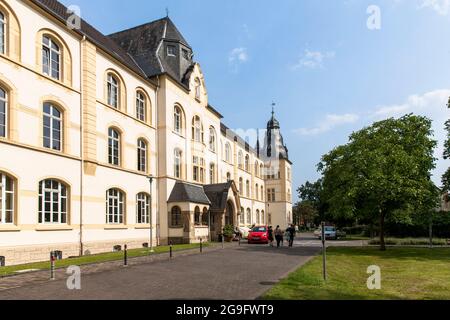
[137,27]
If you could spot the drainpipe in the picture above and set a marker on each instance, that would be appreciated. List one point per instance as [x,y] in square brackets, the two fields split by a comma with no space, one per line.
[158,223]
[81,144]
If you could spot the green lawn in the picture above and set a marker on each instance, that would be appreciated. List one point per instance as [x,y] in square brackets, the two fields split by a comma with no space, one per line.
[406,273]
[104,257]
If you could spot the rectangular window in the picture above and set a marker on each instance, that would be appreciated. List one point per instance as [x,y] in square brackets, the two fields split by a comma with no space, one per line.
[6,199]
[143,208]
[171,51]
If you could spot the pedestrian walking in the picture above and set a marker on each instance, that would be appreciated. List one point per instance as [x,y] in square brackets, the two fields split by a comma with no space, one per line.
[291,235]
[270,236]
[278,236]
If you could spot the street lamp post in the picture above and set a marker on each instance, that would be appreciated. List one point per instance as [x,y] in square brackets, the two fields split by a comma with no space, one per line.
[150,179]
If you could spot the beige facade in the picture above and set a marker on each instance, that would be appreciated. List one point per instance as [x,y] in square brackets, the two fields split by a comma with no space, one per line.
[82,131]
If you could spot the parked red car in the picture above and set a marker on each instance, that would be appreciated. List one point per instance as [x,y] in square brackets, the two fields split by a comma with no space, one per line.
[259,235]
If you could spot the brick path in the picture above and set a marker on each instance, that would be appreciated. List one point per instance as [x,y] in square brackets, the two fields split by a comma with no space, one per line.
[244,272]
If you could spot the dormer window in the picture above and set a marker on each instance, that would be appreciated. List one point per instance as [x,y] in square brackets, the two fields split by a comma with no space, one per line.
[186,54]
[171,51]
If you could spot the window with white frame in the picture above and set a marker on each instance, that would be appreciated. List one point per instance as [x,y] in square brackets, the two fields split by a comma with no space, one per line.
[212,173]
[53,127]
[262,193]
[2,33]
[171,51]
[249,216]
[141,106]
[177,164]
[115,209]
[198,169]
[197,89]
[212,139]
[7,199]
[256,191]
[143,208]
[228,153]
[263,217]
[177,120]
[258,221]
[113,147]
[53,202]
[142,155]
[51,58]
[112,91]
[3,113]
[197,129]
[247,163]
[241,186]
[242,217]
[240,160]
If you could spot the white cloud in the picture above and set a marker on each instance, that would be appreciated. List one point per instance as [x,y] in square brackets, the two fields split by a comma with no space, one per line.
[313,59]
[330,122]
[239,55]
[442,7]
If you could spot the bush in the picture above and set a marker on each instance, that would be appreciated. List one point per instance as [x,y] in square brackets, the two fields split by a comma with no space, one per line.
[228,231]
[410,242]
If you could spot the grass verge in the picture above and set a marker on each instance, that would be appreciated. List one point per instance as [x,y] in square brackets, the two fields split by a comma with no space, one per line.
[406,273]
[91,259]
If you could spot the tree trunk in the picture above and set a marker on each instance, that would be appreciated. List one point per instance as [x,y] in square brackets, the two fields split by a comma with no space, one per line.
[382,242]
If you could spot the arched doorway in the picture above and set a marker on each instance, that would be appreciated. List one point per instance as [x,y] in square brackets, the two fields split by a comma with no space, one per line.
[229,214]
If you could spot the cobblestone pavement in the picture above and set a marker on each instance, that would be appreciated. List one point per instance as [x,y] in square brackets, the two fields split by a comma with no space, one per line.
[236,272]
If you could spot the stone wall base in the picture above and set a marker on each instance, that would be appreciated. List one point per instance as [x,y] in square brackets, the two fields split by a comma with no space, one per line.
[38,253]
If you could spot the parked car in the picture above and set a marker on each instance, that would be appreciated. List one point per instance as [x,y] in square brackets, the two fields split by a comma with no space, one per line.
[259,235]
[330,233]
[244,231]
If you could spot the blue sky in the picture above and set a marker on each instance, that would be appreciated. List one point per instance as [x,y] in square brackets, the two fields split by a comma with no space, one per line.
[327,71]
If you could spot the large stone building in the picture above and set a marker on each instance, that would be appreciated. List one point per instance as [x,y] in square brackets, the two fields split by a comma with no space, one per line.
[86,118]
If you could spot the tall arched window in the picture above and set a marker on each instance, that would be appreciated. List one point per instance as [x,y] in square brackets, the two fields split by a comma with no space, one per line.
[227,152]
[177,120]
[176,217]
[258,221]
[51,57]
[263,217]
[143,208]
[242,217]
[262,193]
[142,155]
[7,199]
[228,177]
[53,127]
[113,94]
[212,139]
[247,163]
[249,216]
[197,220]
[198,87]
[240,160]
[115,206]
[53,202]
[247,189]
[141,106]
[3,113]
[256,191]
[197,129]
[114,147]
[241,186]
[261,171]
[177,164]
[256,169]
[2,33]
[205,217]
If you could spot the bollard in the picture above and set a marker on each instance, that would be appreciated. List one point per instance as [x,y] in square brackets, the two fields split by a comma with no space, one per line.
[170,250]
[201,245]
[52,265]
[125,256]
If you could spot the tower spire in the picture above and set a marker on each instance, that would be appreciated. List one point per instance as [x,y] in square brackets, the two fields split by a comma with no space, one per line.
[273,109]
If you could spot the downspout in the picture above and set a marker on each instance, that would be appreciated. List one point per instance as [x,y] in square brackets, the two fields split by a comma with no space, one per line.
[81,143]
[158,223]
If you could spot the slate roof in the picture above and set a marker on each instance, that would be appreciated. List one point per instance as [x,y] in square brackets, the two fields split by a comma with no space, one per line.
[143,42]
[186,192]
[218,194]
[59,11]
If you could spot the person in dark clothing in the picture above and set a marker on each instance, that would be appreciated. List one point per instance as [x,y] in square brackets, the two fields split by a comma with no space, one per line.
[278,236]
[291,233]
[270,236]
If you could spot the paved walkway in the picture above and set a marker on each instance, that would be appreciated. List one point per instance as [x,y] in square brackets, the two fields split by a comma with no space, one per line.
[244,272]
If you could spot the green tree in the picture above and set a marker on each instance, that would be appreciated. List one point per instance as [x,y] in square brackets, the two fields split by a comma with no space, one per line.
[446,177]
[304,212]
[310,195]
[382,173]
